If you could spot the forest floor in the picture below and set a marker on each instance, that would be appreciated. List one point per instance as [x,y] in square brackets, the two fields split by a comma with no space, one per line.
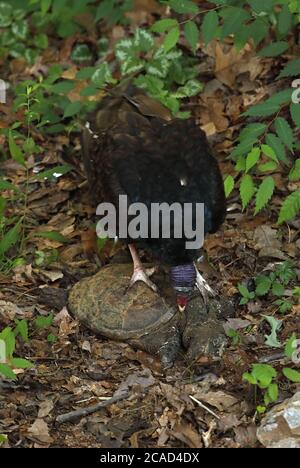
[80,369]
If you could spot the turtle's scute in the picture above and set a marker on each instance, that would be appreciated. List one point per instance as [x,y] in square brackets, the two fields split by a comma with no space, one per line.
[104,303]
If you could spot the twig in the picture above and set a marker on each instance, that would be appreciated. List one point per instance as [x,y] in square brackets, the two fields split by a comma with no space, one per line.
[80,413]
[204,407]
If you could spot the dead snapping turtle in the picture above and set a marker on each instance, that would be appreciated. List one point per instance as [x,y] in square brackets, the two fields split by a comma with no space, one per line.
[145,319]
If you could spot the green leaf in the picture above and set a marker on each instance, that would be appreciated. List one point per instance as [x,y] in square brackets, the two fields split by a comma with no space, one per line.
[274,49]
[263,109]
[6,11]
[278,289]
[268,151]
[85,73]
[15,150]
[5,185]
[20,29]
[233,20]
[249,378]
[209,26]
[285,20]
[45,6]
[269,166]
[6,371]
[183,6]
[228,185]
[63,87]
[22,329]
[264,374]
[20,363]
[295,113]
[164,25]
[191,33]
[273,392]
[264,193]
[291,346]
[252,158]
[10,238]
[191,88]
[291,374]
[263,285]
[143,40]
[290,207]
[3,439]
[260,7]
[276,144]
[72,109]
[284,132]
[294,174]
[252,131]
[171,39]
[291,69]
[243,147]
[44,322]
[247,190]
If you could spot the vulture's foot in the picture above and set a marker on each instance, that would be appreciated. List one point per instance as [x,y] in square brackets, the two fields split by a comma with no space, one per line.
[143,274]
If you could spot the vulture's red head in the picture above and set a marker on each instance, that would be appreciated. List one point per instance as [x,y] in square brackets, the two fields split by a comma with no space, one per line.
[183,278]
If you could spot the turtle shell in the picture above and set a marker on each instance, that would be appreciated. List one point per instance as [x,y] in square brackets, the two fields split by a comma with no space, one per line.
[104,304]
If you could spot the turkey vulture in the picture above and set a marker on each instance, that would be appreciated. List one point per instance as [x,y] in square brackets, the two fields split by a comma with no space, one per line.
[132,146]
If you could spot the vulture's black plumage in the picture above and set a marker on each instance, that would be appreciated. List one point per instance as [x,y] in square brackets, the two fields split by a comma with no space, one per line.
[133,146]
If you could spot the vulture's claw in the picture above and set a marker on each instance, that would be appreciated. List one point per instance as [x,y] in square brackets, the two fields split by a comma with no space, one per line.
[143,274]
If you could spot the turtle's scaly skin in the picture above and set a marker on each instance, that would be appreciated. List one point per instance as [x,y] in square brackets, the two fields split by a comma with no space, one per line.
[145,319]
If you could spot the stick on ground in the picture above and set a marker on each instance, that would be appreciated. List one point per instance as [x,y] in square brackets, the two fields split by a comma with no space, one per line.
[80,413]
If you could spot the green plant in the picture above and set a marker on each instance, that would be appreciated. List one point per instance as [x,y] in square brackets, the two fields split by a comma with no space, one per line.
[8,362]
[263,376]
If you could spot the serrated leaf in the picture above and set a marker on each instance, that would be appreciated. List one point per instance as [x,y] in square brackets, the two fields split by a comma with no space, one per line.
[209,26]
[252,131]
[143,40]
[228,185]
[284,132]
[233,21]
[291,374]
[263,285]
[268,151]
[276,144]
[252,158]
[294,174]
[295,114]
[290,207]
[291,69]
[278,289]
[274,49]
[247,190]
[285,20]
[263,109]
[191,33]
[269,166]
[264,194]
[171,39]
[243,147]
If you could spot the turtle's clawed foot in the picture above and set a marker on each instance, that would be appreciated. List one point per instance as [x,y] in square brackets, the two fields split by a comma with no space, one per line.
[143,274]
[204,287]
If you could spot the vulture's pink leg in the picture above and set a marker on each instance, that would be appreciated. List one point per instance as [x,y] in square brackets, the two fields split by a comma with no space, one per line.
[139,272]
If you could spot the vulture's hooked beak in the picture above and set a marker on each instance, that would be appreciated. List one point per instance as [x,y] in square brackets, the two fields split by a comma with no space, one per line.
[182,302]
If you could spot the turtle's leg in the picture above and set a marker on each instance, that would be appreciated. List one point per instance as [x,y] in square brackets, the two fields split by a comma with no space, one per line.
[204,287]
[139,272]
